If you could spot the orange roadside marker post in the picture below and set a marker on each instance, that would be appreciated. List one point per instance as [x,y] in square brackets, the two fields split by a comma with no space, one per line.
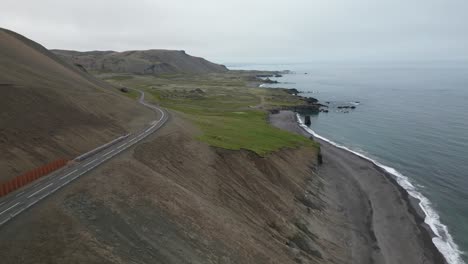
[15,183]
[21,180]
[10,186]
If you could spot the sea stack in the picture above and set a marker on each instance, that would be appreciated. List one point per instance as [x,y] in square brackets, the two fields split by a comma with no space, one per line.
[307,121]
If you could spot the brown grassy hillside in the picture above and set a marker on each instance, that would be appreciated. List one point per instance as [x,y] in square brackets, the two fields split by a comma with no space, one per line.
[173,199]
[52,110]
[140,62]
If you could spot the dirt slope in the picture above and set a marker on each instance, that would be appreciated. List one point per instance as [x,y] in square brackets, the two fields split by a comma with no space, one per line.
[51,110]
[173,199]
[140,62]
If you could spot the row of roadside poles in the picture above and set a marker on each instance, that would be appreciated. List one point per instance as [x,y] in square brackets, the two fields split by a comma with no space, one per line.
[30,176]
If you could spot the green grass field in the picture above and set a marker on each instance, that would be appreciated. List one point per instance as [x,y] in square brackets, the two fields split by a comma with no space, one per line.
[246,130]
[229,113]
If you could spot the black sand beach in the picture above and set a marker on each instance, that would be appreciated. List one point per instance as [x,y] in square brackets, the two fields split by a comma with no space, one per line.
[374,221]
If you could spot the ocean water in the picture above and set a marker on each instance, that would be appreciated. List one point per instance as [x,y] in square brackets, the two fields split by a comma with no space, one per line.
[411,119]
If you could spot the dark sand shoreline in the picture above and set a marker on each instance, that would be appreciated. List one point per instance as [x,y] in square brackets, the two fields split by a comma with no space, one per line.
[381,222]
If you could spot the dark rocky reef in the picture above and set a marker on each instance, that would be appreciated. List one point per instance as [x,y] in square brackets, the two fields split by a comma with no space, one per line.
[292,91]
[346,107]
[268,80]
[311,100]
[310,106]
[265,75]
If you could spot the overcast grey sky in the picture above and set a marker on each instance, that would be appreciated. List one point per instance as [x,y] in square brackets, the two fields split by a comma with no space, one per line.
[251,30]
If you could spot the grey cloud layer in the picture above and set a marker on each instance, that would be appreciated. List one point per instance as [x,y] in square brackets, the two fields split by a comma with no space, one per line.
[263,31]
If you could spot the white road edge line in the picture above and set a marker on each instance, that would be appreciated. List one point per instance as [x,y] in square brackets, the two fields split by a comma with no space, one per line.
[18,212]
[44,196]
[10,207]
[54,190]
[40,190]
[89,163]
[108,153]
[68,174]
[19,194]
[33,203]
[72,179]
[121,146]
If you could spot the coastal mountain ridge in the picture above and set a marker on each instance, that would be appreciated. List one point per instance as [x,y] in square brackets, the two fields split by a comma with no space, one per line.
[154,61]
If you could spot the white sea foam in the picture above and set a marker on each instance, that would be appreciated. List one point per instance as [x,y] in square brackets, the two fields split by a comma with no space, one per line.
[442,240]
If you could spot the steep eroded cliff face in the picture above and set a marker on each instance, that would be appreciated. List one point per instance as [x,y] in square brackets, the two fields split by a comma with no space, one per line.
[173,199]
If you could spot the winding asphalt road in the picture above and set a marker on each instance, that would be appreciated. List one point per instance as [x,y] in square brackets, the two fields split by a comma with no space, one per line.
[20,200]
